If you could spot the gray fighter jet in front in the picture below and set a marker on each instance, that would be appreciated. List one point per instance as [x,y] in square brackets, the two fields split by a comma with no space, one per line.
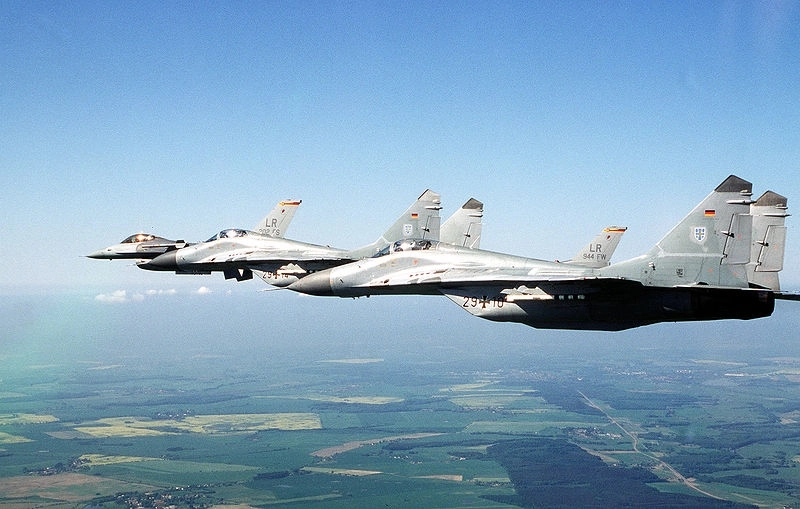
[238,253]
[720,262]
[146,246]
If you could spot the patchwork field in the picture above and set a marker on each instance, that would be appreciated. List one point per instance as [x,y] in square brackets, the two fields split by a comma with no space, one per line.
[361,432]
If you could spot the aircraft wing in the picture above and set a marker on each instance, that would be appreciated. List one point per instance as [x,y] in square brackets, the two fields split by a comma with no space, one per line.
[453,277]
[610,304]
[253,259]
[518,289]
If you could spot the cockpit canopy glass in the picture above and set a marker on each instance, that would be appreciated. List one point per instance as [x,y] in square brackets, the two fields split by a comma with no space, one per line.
[138,237]
[230,233]
[405,245]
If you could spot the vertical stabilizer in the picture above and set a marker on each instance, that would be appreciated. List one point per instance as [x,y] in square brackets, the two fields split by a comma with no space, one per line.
[598,252]
[464,227]
[277,221]
[710,246]
[420,221]
[769,240]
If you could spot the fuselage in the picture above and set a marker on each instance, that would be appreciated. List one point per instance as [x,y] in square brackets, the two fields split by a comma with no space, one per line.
[242,249]
[539,293]
[425,271]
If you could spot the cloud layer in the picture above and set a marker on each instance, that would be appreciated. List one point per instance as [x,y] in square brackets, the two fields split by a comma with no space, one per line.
[122,296]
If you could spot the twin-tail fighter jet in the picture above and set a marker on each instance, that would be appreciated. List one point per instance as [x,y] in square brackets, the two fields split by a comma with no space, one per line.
[720,262]
[462,228]
[238,253]
[146,246]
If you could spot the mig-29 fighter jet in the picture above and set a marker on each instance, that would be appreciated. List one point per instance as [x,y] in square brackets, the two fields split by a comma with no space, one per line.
[146,246]
[237,253]
[462,228]
[701,270]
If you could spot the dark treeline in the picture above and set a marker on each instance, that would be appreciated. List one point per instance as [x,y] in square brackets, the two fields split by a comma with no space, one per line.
[549,473]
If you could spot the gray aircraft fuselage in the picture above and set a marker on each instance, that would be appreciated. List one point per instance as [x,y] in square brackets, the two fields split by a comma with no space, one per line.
[234,253]
[557,295]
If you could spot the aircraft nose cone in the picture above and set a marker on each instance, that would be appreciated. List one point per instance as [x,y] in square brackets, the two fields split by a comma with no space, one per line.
[100,254]
[166,261]
[318,283]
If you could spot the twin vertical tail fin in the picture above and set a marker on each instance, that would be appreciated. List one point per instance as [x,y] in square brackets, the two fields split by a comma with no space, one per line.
[769,240]
[710,246]
[464,227]
[277,221]
[420,221]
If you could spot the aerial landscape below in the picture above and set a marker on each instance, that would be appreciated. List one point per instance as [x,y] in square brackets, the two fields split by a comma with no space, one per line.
[359,420]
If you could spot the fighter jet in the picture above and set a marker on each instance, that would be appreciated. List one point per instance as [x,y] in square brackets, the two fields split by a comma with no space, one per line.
[463,227]
[701,270]
[145,246]
[138,246]
[237,253]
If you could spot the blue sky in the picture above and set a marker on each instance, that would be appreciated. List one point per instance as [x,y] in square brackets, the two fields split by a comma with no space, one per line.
[184,118]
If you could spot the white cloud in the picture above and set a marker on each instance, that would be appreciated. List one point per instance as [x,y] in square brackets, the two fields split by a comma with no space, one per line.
[171,291]
[113,297]
[203,290]
[119,296]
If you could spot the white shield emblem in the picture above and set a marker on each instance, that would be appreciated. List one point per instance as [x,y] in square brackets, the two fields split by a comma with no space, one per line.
[408,229]
[699,233]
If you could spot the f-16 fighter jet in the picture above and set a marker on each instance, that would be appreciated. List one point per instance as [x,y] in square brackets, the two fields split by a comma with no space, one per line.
[138,246]
[146,246]
[705,268]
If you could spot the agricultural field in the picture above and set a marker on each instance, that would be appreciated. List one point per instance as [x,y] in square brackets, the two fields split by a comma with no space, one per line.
[431,426]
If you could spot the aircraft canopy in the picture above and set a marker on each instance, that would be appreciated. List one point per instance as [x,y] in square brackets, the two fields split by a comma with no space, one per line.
[406,245]
[138,237]
[230,233]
